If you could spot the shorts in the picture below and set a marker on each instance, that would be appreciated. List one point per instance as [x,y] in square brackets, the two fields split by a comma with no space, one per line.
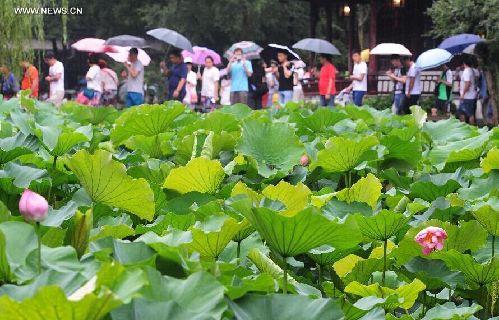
[467,107]
[134,99]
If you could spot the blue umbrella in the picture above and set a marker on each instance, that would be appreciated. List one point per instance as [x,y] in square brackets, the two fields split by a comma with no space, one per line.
[457,43]
[433,58]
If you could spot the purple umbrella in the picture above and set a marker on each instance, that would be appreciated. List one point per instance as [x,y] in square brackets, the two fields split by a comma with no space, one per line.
[200,54]
[457,43]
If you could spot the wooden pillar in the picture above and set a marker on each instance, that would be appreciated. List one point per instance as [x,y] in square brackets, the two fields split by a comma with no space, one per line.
[314,17]
[329,21]
[372,35]
[352,34]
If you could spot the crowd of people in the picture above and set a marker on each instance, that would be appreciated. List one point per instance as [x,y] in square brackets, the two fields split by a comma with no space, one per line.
[255,83]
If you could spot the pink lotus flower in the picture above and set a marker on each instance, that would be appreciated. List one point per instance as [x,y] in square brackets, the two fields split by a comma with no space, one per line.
[33,206]
[431,238]
[304,160]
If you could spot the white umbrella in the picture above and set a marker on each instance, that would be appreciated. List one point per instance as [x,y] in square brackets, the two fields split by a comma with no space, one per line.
[387,49]
[121,55]
[433,58]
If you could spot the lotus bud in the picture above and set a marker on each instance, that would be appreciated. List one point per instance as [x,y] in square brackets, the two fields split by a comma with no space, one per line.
[78,233]
[33,206]
[431,239]
[304,160]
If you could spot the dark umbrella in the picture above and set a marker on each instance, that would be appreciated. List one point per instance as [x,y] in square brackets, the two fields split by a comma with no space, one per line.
[270,52]
[127,41]
[171,37]
[317,46]
[457,43]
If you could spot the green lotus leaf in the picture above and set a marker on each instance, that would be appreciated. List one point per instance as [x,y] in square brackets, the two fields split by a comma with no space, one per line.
[383,225]
[239,110]
[402,145]
[17,241]
[284,307]
[211,236]
[112,287]
[145,120]
[434,273]
[458,238]
[409,292]
[241,188]
[479,274]
[59,141]
[295,198]
[200,293]
[481,187]
[155,146]
[308,229]
[21,176]
[199,174]
[367,190]
[15,146]
[448,130]
[320,121]
[487,213]
[86,115]
[274,146]
[217,122]
[363,270]
[459,151]
[106,181]
[449,310]
[125,252]
[343,154]
[491,161]
[430,187]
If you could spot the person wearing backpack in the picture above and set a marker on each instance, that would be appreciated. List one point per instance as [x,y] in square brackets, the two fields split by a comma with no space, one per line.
[10,87]
[443,90]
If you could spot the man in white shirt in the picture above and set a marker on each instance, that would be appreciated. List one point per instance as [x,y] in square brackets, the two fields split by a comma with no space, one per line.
[412,85]
[209,85]
[55,78]
[359,79]
[467,92]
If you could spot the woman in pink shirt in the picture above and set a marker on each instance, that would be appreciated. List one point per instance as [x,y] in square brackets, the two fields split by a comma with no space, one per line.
[327,81]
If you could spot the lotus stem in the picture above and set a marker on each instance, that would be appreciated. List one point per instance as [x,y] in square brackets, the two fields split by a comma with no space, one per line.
[319,275]
[54,163]
[285,278]
[39,251]
[384,262]
[493,246]
[238,252]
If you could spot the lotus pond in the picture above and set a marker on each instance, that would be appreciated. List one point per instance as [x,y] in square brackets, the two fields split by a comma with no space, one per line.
[157,212]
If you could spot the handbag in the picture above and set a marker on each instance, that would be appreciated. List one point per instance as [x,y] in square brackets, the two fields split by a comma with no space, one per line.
[89,93]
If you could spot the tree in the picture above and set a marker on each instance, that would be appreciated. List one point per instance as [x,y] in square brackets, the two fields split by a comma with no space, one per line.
[17,31]
[473,16]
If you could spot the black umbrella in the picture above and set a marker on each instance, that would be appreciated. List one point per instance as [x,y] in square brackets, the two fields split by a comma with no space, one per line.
[127,41]
[270,52]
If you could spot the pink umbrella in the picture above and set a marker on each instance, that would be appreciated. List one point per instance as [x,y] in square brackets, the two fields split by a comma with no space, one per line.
[199,54]
[121,55]
[92,45]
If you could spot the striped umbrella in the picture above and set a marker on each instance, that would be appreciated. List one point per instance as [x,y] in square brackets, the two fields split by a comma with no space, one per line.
[250,50]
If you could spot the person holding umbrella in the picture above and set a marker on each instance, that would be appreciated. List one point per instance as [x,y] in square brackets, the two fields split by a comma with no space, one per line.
[177,76]
[240,70]
[397,74]
[412,84]
[135,80]
[327,81]
[285,77]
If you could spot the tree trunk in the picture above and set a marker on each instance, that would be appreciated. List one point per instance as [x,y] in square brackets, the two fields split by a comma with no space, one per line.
[491,76]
